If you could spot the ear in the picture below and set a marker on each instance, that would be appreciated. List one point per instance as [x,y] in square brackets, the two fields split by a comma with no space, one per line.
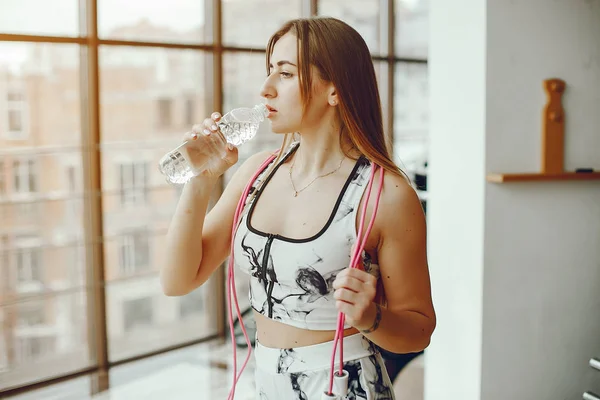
[332,97]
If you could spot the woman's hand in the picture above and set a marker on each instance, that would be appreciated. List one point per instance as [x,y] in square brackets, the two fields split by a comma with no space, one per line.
[208,149]
[354,292]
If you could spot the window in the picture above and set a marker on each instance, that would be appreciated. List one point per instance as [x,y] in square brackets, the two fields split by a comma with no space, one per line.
[362,15]
[16,17]
[180,21]
[3,344]
[165,107]
[411,112]
[32,348]
[412,28]
[42,96]
[5,262]
[133,178]
[17,115]
[28,262]
[31,315]
[245,22]
[134,252]
[4,247]
[2,179]
[132,80]
[192,303]
[147,93]
[71,179]
[137,314]
[25,176]
[189,118]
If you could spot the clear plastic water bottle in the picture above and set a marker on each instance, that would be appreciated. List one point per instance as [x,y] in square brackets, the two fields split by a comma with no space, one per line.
[237,126]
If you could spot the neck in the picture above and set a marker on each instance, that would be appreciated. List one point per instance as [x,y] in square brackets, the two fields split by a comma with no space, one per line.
[320,149]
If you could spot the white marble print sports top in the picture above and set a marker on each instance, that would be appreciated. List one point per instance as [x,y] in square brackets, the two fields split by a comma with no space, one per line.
[290,279]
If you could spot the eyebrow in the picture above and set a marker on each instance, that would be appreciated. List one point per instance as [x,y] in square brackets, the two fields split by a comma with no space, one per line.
[282,62]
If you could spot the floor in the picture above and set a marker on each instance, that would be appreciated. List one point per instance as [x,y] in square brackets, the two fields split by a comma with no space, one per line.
[196,372]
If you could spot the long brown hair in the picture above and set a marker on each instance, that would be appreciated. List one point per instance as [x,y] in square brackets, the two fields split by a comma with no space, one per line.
[341,57]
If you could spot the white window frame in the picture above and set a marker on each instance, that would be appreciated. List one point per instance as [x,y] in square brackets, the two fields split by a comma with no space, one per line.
[133,178]
[23,348]
[131,244]
[25,309]
[165,112]
[28,277]
[25,168]
[21,108]
[3,345]
[3,180]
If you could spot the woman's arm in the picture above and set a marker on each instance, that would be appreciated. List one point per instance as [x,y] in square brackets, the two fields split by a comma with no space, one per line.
[198,243]
[406,323]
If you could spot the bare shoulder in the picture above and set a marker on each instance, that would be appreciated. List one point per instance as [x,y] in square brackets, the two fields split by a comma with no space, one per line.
[245,171]
[400,209]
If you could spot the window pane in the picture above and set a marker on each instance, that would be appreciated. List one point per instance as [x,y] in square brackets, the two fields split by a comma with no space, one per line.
[2,178]
[137,202]
[150,20]
[42,275]
[250,23]
[381,72]
[142,319]
[17,17]
[43,337]
[362,15]
[241,88]
[411,115]
[40,84]
[412,28]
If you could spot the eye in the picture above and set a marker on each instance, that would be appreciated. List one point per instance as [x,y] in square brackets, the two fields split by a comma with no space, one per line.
[284,74]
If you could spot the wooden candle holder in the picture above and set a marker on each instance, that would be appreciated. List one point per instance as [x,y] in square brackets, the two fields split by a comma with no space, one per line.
[553,143]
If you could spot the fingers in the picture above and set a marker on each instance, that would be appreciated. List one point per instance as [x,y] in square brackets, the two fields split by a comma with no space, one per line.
[207,127]
[345,295]
[348,282]
[231,156]
[358,274]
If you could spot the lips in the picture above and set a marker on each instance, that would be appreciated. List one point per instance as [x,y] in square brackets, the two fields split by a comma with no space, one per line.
[271,109]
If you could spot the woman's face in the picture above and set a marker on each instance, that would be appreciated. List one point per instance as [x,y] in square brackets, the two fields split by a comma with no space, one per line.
[282,90]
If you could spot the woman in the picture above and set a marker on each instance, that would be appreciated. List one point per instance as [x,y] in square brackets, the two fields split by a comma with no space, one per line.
[301,219]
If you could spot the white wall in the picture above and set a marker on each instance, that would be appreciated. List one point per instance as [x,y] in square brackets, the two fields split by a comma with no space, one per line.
[515,267]
[541,320]
[455,210]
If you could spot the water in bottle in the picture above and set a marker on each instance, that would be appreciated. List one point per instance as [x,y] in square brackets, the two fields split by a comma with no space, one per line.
[237,126]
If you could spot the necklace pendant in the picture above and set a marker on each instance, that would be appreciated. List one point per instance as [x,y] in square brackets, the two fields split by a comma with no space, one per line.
[295,194]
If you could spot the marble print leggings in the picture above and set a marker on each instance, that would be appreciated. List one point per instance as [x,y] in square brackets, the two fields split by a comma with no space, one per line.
[302,373]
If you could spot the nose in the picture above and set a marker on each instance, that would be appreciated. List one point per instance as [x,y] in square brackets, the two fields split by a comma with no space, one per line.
[268,90]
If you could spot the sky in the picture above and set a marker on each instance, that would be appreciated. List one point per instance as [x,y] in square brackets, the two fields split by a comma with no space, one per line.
[16,17]
[60,17]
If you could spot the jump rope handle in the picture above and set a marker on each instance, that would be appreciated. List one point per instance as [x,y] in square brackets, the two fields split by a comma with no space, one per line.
[338,382]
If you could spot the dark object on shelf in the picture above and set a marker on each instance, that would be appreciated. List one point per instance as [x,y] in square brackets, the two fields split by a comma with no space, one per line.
[584,170]
[421,181]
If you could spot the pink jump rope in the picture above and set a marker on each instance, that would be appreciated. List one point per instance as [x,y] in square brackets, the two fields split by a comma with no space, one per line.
[341,376]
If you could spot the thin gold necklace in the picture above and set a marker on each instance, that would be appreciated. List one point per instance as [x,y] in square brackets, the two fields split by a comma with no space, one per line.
[311,182]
